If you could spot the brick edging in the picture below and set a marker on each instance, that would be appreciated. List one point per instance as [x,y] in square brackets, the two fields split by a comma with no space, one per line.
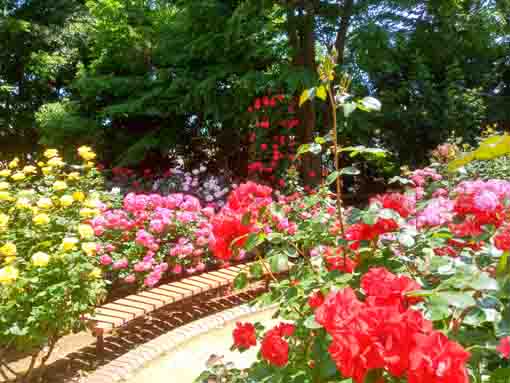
[123,367]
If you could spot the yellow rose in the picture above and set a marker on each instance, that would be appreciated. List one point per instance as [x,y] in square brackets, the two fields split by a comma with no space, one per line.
[5,196]
[73,176]
[59,186]
[79,196]
[56,162]
[92,203]
[96,273]
[4,185]
[86,153]
[66,200]
[8,249]
[88,213]
[47,170]
[40,259]
[4,220]
[8,275]
[23,203]
[29,169]
[90,248]
[14,163]
[44,203]
[9,260]
[5,173]
[69,243]
[50,153]
[86,231]
[41,219]
[18,176]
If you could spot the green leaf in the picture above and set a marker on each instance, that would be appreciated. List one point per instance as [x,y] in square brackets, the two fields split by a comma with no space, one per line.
[311,323]
[401,180]
[332,177]
[459,300]
[348,108]
[350,170]
[369,104]
[241,280]
[373,376]
[254,240]
[503,263]
[256,270]
[406,240]
[499,374]
[503,326]
[279,262]
[245,220]
[305,148]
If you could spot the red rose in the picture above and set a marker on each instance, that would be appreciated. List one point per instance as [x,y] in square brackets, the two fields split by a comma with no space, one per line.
[436,359]
[244,336]
[386,289]
[316,299]
[284,329]
[504,347]
[275,349]
[502,240]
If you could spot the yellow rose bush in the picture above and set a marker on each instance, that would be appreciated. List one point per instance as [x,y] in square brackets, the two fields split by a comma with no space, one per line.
[49,275]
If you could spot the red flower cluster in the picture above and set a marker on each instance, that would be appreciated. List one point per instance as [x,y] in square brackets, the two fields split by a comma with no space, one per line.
[274,348]
[244,336]
[274,138]
[227,226]
[502,239]
[249,197]
[387,289]
[381,333]
[363,232]
[229,234]
[481,207]
[316,299]
[336,259]
[504,347]
[402,204]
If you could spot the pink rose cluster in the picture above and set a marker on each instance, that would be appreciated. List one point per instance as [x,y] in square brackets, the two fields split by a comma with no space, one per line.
[153,234]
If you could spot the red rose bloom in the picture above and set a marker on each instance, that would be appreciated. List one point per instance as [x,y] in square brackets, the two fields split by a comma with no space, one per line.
[385,289]
[244,336]
[275,349]
[316,299]
[284,329]
[436,359]
[502,240]
[504,347]
[396,201]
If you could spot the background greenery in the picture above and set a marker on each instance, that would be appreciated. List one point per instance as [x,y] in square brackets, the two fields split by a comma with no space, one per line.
[142,78]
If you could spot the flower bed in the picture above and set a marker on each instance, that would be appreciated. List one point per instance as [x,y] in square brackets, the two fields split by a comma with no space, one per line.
[48,275]
[414,288]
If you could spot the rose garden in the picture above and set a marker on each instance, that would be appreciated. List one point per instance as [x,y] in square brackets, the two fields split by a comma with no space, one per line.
[369,258]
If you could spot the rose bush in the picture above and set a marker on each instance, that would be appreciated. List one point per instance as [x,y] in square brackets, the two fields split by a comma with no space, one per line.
[48,273]
[414,288]
[152,234]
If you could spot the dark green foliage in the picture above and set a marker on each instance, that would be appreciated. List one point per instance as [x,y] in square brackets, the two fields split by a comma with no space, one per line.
[139,77]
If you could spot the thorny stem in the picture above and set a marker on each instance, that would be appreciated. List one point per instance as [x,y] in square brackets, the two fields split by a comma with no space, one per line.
[336,160]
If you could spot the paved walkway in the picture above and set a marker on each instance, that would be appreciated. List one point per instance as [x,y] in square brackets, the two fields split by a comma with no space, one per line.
[185,362]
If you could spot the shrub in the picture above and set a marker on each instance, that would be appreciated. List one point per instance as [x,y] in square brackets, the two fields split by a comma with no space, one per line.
[48,277]
[152,234]
[413,288]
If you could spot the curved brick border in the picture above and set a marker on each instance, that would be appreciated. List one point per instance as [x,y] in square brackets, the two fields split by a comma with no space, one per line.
[123,367]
